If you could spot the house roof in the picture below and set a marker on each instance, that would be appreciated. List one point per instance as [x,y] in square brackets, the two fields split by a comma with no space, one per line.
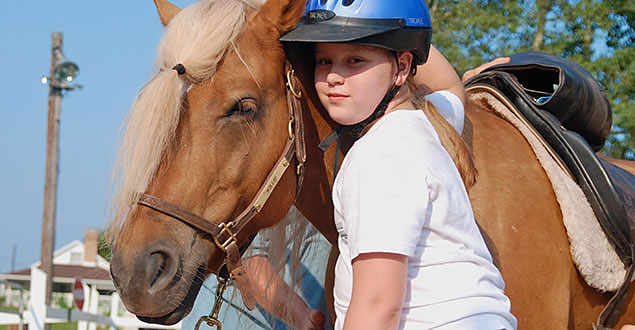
[67,272]
[71,246]
[69,264]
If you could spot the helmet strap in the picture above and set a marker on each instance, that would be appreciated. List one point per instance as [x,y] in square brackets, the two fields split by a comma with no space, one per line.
[357,129]
[379,111]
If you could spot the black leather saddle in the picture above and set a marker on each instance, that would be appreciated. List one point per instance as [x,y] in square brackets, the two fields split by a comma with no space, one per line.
[570,110]
[565,90]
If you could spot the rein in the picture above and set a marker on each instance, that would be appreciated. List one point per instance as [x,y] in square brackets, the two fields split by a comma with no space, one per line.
[225,233]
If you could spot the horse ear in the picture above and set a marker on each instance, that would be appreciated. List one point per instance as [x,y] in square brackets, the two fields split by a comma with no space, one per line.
[167,10]
[285,14]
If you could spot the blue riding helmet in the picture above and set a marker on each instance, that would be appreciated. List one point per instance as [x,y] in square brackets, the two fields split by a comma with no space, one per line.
[397,25]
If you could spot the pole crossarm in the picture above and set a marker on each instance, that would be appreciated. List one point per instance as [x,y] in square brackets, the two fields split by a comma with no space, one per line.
[12,284]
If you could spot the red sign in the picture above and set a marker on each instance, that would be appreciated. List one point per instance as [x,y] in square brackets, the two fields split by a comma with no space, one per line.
[78,293]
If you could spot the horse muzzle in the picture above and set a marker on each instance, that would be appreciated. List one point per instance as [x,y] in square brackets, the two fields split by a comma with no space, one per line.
[157,284]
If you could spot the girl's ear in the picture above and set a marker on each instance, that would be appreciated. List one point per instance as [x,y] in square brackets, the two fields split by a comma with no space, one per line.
[404,62]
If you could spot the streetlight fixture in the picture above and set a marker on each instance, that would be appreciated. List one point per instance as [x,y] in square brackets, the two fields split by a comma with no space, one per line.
[63,72]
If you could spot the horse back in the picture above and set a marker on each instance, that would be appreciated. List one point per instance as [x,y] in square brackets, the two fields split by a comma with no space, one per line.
[521,221]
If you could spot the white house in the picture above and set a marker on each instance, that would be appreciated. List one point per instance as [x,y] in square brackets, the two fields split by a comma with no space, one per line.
[76,260]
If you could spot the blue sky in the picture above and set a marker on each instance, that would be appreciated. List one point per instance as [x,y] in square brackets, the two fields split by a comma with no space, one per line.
[113,42]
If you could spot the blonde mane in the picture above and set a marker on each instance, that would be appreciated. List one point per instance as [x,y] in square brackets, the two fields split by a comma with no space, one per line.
[197,38]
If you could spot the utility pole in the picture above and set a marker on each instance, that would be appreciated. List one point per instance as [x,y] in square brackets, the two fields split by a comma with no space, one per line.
[62,72]
[13,258]
[52,169]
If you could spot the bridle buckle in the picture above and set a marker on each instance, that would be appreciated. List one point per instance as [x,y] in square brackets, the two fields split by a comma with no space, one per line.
[231,237]
[291,85]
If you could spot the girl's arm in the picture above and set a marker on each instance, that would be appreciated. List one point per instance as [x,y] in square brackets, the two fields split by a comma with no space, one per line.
[379,290]
[438,74]
[275,296]
[471,73]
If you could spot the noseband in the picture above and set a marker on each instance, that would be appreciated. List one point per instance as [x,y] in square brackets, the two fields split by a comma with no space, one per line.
[225,233]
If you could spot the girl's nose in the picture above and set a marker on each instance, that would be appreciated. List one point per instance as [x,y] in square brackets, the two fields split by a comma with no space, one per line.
[333,78]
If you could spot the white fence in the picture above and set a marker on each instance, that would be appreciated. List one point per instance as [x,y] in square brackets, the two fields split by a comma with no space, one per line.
[99,309]
[16,297]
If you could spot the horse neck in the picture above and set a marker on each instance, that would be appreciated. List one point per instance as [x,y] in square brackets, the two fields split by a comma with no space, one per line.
[314,200]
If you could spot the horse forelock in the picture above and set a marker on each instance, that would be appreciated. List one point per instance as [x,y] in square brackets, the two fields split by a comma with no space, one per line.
[198,37]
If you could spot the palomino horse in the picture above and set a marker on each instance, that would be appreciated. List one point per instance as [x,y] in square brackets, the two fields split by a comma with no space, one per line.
[205,131]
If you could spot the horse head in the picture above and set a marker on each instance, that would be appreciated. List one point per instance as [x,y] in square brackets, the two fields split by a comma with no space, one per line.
[201,136]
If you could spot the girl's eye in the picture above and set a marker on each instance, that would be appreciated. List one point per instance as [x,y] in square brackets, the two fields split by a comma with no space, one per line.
[355,60]
[243,107]
[322,61]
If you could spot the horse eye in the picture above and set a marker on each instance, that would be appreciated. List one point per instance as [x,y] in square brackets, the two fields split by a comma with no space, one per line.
[243,107]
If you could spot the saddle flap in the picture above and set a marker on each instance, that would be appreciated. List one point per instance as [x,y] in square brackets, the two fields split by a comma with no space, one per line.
[624,183]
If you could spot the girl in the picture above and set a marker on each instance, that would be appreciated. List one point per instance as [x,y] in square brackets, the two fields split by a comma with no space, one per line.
[411,254]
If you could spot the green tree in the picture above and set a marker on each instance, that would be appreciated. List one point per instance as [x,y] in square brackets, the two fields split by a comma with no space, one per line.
[598,35]
[471,32]
[103,247]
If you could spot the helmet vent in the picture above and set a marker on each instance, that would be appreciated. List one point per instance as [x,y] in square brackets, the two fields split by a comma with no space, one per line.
[347,2]
[322,2]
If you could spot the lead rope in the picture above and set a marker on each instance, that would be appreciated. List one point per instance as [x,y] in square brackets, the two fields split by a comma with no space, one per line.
[212,319]
[335,136]
[336,162]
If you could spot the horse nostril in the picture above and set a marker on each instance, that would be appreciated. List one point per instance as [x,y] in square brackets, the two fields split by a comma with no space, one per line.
[166,270]
[157,258]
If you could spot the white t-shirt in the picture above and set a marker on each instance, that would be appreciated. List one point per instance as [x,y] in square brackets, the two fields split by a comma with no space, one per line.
[398,191]
[450,107]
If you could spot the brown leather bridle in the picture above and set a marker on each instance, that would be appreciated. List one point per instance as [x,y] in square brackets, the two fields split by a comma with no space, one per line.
[225,233]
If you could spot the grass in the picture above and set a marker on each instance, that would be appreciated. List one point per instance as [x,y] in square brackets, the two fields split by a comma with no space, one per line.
[64,326]
[55,326]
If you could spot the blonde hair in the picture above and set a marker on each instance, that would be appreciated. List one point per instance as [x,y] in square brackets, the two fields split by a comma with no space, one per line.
[450,138]
[197,38]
